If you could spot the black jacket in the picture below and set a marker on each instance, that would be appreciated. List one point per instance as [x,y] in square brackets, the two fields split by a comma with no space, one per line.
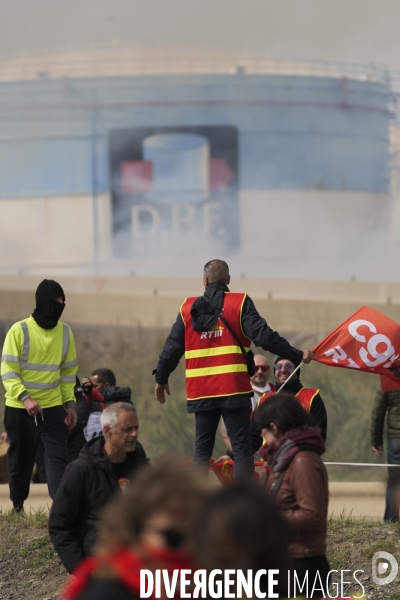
[318,416]
[85,410]
[113,393]
[87,485]
[254,327]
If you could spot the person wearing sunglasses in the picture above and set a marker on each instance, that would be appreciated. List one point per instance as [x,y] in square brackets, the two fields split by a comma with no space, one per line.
[309,398]
[150,527]
[259,381]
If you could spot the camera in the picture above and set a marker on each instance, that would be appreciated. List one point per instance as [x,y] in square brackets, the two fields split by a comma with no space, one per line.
[87,387]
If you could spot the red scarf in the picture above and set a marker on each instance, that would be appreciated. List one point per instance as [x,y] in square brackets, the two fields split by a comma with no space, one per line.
[280,454]
[126,566]
[95,396]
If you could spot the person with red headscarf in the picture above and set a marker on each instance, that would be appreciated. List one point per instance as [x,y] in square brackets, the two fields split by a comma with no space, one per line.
[147,528]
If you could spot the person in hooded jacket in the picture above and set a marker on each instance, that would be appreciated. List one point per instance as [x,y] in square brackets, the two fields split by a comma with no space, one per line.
[38,368]
[217,379]
[88,426]
[114,393]
[309,398]
[103,469]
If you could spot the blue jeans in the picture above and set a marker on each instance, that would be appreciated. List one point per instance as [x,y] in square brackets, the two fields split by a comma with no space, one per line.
[393,458]
[237,422]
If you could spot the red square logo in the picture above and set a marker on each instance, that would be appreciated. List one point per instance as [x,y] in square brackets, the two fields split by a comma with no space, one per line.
[136,176]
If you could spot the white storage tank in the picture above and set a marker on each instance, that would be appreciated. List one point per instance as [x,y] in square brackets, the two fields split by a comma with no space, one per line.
[180,166]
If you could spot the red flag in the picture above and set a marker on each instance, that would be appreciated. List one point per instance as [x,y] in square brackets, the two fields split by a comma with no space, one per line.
[367,341]
[388,384]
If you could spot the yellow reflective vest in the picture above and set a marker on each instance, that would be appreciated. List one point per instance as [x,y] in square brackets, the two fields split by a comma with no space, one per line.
[39,363]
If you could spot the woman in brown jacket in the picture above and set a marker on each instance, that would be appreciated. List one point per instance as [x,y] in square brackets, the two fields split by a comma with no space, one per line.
[299,484]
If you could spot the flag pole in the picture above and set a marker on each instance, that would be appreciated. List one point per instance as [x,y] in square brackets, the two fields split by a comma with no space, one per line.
[290,376]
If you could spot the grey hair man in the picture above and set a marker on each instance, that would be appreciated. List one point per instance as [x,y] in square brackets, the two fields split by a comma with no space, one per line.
[104,468]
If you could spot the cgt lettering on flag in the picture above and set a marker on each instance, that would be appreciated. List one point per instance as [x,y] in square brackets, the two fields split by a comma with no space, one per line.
[368,341]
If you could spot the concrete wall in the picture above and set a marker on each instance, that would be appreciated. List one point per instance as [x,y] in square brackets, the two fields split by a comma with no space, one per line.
[313,307]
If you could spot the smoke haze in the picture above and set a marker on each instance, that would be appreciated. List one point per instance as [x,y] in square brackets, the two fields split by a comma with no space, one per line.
[345,30]
[359,31]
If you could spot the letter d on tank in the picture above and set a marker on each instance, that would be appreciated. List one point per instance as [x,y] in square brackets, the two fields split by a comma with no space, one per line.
[145,573]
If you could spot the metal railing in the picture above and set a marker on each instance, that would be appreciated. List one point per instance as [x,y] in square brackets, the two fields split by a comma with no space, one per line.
[119,61]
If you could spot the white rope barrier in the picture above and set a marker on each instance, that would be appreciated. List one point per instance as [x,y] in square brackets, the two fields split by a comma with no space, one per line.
[360,464]
[337,463]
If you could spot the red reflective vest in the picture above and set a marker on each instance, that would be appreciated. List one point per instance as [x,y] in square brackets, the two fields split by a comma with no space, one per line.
[215,365]
[305,396]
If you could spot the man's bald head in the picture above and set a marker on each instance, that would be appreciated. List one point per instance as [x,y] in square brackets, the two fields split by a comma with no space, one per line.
[216,271]
[260,360]
[262,371]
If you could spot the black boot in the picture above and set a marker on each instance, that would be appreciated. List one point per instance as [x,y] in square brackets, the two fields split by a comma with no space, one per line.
[18,508]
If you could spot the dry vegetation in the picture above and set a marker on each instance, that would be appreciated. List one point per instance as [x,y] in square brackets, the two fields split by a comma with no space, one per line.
[28,565]
[132,353]
[30,569]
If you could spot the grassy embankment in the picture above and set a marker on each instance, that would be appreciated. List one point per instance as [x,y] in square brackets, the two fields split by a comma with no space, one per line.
[30,569]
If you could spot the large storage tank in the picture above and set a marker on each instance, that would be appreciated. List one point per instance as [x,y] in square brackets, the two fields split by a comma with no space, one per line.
[297,167]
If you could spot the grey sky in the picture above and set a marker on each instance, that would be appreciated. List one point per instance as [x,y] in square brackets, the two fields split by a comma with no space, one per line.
[348,30]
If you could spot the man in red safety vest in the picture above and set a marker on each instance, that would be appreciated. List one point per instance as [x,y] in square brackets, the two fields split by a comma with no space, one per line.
[309,398]
[212,331]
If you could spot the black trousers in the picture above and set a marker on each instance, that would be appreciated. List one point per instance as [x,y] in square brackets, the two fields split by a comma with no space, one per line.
[24,434]
[40,475]
[237,422]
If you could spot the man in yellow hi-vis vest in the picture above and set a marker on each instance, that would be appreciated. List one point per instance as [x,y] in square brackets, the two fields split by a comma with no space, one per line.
[38,369]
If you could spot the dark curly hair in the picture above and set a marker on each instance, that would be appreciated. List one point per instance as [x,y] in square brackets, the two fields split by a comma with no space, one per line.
[282,409]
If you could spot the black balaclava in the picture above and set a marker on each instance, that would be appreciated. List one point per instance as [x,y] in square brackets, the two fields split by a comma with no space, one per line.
[48,311]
